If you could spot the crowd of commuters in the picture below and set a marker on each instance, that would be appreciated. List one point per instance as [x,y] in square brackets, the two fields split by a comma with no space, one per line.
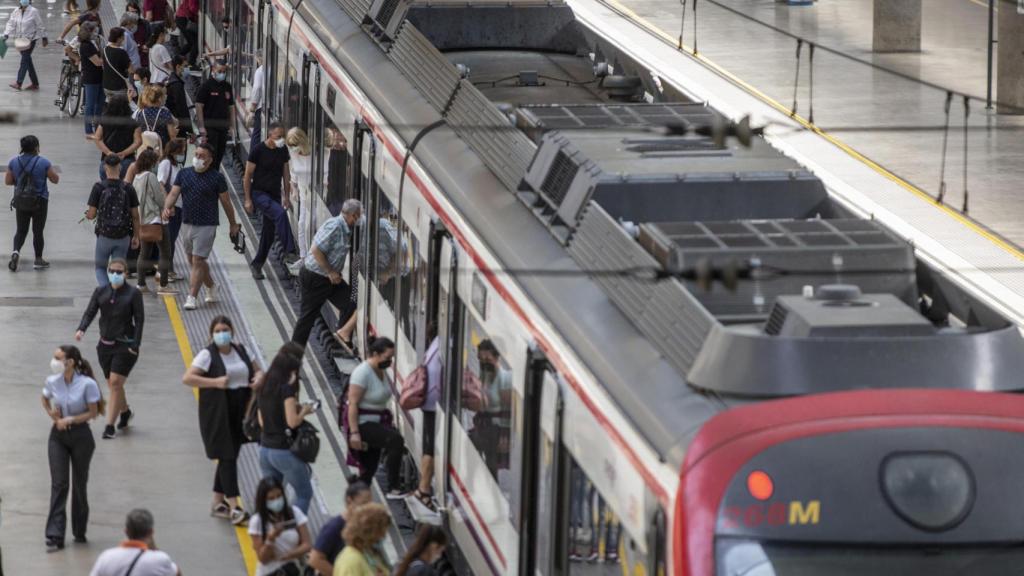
[150,194]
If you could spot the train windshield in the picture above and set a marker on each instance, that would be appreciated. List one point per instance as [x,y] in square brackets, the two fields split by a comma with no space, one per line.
[739,557]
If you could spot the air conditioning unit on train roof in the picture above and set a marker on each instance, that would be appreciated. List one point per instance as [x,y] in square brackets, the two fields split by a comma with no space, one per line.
[385,17]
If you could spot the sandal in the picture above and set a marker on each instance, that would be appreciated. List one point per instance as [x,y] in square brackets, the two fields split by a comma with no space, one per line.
[426,499]
[347,346]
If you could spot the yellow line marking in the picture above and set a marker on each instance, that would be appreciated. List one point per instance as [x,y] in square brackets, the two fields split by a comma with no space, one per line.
[970,224]
[244,540]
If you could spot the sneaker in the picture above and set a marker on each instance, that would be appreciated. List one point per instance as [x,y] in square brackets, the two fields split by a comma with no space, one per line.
[221,510]
[81,539]
[109,432]
[239,516]
[166,291]
[172,277]
[125,419]
[211,294]
[40,264]
[257,273]
[190,303]
[54,546]
[13,264]
[396,495]
[15,85]
[290,258]
[32,88]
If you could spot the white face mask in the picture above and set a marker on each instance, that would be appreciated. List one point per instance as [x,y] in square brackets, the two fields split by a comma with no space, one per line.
[279,143]
[198,163]
[56,366]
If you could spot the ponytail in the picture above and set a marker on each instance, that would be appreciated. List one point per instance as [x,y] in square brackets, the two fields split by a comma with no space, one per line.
[83,367]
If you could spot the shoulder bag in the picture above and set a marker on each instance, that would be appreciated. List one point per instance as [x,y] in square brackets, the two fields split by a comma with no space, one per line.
[304,442]
[150,233]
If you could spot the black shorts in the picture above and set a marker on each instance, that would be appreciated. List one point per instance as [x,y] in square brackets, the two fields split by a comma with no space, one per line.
[429,423]
[115,358]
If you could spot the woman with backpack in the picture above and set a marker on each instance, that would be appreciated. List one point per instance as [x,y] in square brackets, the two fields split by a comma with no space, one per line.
[224,375]
[114,206]
[117,135]
[153,116]
[154,230]
[280,412]
[280,532]
[28,172]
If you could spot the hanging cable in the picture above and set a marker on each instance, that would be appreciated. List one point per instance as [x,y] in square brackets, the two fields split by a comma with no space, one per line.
[682,24]
[810,64]
[694,27]
[945,141]
[967,115]
[796,80]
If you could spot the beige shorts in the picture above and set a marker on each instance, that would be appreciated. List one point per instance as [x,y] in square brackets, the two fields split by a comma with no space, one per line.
[198,239]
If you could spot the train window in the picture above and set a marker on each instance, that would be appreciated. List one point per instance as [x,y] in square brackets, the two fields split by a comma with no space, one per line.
[336,157]
[247,55]
[332,97]
[491,408]
[594,530]
[293,91]
[413,298]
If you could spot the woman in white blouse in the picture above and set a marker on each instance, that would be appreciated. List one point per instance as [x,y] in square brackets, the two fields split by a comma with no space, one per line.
[224,375]
[71,399]
[301,166]
[160,66]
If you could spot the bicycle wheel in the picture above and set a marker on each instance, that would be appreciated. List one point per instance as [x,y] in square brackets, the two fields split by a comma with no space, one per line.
[75,94]
[62,91]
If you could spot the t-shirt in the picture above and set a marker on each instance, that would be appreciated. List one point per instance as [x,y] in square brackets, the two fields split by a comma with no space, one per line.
[200,196]
[91,73]
[167,172]
[329,542]
[159,63]
[158,7]
[236,369]
[115,562]
[155,120]
[332,239]
[285,542]
[269,171]
[377,392]
[97,194]
[115,68]
[419,568]
[37,167]
[352,562]
[118,132]
[275,424]
[216,98]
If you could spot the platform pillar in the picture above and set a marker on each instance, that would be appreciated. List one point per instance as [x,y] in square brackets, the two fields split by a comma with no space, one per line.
[897,26]
[1010,58]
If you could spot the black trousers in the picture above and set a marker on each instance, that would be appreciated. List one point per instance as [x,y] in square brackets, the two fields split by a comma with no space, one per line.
[37,220]
[316,290]
[218,140]
[70,452]
[225,478]
[191,35]
[380,438]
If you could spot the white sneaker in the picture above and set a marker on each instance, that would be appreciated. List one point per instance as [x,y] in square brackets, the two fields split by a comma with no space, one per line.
[190,303]
[211,294]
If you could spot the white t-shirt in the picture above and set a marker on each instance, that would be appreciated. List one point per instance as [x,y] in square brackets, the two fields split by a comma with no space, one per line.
[285,543]
[161,173]
[159,63]
[115,562]
[237,371]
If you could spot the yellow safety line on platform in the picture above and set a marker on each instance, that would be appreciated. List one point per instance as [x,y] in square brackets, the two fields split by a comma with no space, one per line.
[972,225]
[244,540]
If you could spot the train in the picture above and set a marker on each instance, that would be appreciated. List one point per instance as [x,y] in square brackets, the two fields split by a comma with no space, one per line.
[693,360]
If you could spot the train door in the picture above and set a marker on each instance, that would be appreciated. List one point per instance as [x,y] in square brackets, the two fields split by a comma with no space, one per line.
[310,116]
[542,478]
[365,185]
[445,306]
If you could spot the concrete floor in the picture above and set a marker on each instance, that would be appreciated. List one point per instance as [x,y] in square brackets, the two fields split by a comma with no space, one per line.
[160,463]
[865,107]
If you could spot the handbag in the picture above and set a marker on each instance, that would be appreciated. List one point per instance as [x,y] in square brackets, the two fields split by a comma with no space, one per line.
[251,423]
[305,443]
[151,233]
[22,44]
[414,392]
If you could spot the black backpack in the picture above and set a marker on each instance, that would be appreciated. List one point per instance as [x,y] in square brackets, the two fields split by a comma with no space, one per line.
[114,217]
[26,195]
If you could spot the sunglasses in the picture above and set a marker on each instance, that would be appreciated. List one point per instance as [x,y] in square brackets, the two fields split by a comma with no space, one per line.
[115,271]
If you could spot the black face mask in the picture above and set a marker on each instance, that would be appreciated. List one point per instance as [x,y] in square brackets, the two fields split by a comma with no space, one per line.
[385,364]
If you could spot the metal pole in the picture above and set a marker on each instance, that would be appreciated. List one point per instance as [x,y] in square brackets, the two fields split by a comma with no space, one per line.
[991,41]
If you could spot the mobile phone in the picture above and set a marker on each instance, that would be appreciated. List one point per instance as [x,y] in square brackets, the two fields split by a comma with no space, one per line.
[315,405]
[287,524]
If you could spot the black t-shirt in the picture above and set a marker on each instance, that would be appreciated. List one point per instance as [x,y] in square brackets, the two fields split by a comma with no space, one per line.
[216,98]
[275,424]
[118,132]
[115,68]
[132,202]
[91,73]
[329,542]
[269,168]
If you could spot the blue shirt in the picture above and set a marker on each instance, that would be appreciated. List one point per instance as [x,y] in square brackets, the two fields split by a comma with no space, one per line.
[329,542]
[332,240]
[132,48]
[74,398]
[38,166]
[200,196]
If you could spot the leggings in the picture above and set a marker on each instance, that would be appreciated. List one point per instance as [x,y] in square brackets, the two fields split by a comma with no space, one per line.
[225,479]
[380,438]
[37,220]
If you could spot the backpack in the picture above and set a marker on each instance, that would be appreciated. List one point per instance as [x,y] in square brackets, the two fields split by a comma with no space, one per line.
[114,219]
[414,391]
[26,195]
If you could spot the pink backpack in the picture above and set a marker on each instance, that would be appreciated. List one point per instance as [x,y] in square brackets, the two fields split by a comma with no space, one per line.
[414,391]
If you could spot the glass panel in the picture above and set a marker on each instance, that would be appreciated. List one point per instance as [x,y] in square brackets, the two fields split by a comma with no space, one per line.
[491,409]
[413,306]
[594,530]
[386,248]
[337,160]
[545,504]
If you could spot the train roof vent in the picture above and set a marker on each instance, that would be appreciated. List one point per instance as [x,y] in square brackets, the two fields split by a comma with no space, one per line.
[537,119]
[562,178]
[426,68]
[559,178]
[842,311]
[385,17]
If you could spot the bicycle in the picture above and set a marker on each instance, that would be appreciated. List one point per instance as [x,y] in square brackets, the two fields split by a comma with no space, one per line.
[69,88]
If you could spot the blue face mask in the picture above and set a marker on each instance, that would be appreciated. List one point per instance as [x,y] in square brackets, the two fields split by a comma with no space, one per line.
[220,76]
[25,3]
[116,279]
[275,505]
[222,338]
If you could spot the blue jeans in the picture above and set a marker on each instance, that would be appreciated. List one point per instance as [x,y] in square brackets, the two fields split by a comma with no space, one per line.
[94,101]
[107,248]
[275,224]
[28,66]
[125,163]
[282,465]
